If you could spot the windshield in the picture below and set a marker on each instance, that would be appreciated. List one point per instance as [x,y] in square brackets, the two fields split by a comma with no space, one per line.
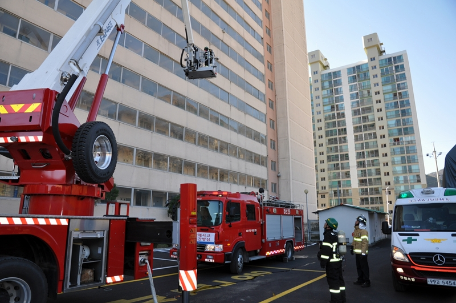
[425,217]
[209,213]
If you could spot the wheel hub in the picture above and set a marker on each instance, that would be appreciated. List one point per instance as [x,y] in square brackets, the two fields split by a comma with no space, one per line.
[14,290]
[102,152]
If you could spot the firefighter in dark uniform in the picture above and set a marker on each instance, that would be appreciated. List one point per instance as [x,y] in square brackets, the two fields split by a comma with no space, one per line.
[330,259]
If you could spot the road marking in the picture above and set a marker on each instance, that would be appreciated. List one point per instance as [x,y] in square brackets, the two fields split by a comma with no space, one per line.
[285,268]
[292,289]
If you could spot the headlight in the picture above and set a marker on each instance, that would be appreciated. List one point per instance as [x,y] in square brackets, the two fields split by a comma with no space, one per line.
[399,254]
[214,247]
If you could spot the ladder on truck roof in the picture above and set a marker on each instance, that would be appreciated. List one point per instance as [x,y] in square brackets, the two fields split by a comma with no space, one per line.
[280,203]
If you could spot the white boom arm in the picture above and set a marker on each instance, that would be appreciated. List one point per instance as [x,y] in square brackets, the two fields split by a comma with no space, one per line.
[78,48]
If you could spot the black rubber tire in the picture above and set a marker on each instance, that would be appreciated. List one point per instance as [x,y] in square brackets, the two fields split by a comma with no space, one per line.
[82,151]
[399,287]
[237,262]
[289,251]
[12,269]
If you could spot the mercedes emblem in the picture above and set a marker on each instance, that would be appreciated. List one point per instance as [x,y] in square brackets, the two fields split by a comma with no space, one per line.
[439,259]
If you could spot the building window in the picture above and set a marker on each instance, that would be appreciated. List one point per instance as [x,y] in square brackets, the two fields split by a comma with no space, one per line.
[323,196]
[381,127]
[322,153]
[385,155]
[378,101]
[271,123]
[377,93]
[382,136]
[318,112]
[272,144]
[318,120]
[376,84]
[271,104]
[323,179]
[317,105]
[316,81]
[322,161]
[269,48]
[317,97]
[322,170]
[387,183]
[380,118]
[266,13]
[320,136]
[372,59]
[323,188]
[374,67]
[274,187]
[383,145]
[379,110]
[320,128]
[375,76]
[312,56]
[317,89]
[386,173]
[315,72]
[385,163]
[369,40]
[270,66]
[273,165]
[268,31]
[320,145]
[270,85]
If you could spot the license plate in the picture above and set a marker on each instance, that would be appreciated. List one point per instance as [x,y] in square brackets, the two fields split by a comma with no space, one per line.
[441,282]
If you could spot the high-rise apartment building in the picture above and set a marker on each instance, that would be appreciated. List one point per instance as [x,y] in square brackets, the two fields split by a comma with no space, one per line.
[366,135]
[248,128]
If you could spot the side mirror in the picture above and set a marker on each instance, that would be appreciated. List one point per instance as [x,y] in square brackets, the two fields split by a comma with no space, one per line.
[386,229]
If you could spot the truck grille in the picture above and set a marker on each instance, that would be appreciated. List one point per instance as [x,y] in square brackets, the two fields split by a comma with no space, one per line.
[200,247]
[428,259]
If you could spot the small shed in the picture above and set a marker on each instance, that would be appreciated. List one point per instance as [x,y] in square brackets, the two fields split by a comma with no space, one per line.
[346,215]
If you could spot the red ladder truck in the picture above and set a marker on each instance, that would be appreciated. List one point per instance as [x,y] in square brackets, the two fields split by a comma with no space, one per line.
[56,244]
[236,228]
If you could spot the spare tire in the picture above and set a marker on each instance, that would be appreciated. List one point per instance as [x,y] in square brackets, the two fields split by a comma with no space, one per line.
[94,152]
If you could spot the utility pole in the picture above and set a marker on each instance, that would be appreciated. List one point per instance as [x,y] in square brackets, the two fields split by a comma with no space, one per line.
[436,167]
[307,212]
[387,205]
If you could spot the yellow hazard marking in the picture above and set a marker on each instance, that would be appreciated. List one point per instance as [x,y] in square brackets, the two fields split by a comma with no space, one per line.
[32,107]
[3,110]
[16,107]
[284,268]
[293,289]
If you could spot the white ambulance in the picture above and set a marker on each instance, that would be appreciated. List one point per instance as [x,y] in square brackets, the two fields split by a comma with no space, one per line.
[423,238]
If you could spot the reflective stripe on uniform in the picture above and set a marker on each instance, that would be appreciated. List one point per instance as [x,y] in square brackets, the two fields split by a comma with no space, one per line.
[324,257]
[334,260]
[365,237]
[342,288]
[357,239]
[357,250]
[335,291]
[327,244]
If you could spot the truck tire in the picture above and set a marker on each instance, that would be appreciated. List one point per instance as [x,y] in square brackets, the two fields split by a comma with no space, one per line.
[22,281]
[237,261]
[289,252]
[397,285]
[94,152]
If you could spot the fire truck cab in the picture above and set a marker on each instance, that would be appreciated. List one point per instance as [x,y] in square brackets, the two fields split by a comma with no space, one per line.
[235,228]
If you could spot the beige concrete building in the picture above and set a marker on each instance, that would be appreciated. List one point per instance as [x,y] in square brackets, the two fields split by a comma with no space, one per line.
[366,134]
[248,128]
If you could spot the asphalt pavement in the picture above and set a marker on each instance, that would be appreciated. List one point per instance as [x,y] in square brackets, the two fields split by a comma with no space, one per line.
[270,280]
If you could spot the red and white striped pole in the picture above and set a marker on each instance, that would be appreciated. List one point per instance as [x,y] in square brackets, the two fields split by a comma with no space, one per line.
[187,254]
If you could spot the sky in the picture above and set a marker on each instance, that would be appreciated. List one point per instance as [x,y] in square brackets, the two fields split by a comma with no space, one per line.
[425,29]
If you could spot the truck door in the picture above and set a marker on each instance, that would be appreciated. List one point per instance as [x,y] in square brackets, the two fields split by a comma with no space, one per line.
[252,227]
[233,222]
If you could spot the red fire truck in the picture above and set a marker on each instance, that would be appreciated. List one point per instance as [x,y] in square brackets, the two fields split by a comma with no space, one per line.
[236,228]
[55,244]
